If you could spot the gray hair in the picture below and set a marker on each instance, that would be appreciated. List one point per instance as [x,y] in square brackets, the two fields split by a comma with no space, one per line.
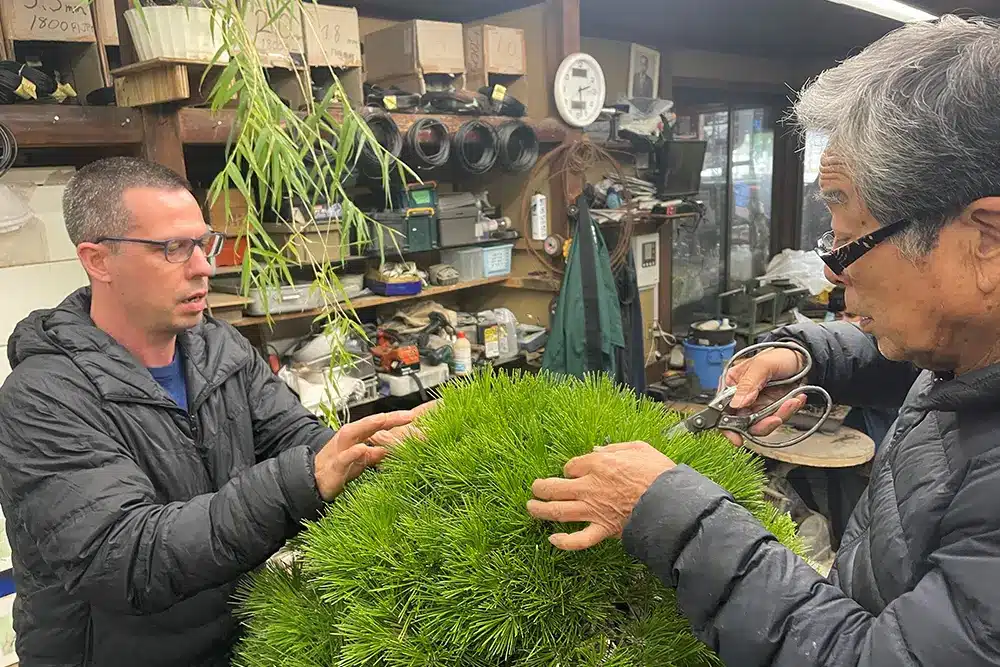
[93,205]
[916,118]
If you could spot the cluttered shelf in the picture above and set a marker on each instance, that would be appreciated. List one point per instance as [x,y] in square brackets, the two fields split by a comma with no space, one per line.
[238,269]
[205,127]
[50,125]
[372,302]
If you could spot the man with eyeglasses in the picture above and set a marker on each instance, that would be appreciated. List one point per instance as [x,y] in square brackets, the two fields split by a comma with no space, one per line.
[912,178]
[148,456]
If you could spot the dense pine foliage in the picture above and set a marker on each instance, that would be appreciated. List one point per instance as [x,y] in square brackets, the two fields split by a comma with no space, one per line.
[433,560]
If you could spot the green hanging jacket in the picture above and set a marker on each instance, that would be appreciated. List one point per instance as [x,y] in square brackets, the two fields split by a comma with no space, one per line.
[587,329]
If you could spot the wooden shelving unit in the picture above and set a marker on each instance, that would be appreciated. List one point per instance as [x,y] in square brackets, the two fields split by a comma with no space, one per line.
[62,126]
[371,302]
[203,127]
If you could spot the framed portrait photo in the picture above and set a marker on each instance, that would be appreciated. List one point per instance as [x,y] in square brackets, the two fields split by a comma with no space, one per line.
[644,73]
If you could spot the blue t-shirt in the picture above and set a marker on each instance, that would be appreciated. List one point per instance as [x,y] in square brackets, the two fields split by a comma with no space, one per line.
[172,379]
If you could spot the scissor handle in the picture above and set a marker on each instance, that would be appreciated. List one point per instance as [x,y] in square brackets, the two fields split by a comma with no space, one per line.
[753,350]
[742,424]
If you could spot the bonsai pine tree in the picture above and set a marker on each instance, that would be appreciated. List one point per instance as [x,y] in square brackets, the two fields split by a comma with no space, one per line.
[433,560]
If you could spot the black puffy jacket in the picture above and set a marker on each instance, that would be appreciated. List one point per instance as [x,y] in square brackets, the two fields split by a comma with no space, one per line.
[917,578]
[131,520]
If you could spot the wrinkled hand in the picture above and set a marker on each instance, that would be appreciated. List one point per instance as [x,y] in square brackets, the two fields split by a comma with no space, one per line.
[347,455]
[602,489]
[394,436]
[751,376]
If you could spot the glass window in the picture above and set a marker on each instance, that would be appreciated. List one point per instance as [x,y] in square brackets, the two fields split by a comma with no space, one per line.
[697,267]
[816,218]
[752,175]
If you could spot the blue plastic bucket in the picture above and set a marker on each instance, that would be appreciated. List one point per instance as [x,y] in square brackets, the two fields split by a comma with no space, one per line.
[705,363]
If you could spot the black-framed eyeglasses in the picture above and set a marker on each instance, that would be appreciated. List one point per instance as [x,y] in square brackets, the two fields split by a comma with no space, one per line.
[177,251]
[839,258]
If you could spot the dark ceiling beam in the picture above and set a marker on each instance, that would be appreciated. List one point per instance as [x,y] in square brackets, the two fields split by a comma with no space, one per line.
[438,10]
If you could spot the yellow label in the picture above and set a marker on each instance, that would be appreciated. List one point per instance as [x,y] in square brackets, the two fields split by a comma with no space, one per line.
[499,92]
[26,91]
[63,90]
[390,103]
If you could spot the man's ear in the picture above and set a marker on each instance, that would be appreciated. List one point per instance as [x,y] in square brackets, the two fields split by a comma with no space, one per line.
[94,257]
[984,215]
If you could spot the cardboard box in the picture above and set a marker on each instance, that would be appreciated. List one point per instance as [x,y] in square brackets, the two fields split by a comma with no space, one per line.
[490,49]
[48,20]
[280,42]
[322,245]
[404,54]
[215,215]
[332,36]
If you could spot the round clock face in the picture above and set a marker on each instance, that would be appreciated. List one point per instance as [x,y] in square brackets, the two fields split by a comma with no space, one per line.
[580,90]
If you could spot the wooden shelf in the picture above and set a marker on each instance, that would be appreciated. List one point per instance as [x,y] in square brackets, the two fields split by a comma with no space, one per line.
[371,302]
[536,284]
[203,127]
[59,126]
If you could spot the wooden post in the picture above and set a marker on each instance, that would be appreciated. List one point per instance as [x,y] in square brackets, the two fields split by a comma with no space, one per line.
[162,137]
[562,25]
[102,51]
[125,45]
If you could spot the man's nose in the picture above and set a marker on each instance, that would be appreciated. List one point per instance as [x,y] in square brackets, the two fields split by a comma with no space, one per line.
[199,266]
[834,278]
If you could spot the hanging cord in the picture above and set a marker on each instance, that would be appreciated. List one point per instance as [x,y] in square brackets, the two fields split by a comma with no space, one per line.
[518,146]
[8,149]
[474,147]
[576,158]
[416,144]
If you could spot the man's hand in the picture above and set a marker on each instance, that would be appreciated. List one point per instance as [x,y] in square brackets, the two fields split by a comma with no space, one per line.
[602,489]
[750,376]
[347,455]
[395,436]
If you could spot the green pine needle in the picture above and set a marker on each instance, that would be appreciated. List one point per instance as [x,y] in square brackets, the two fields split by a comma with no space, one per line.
[433,560]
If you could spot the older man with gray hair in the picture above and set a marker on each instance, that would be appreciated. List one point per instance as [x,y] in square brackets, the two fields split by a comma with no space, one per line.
[912,178]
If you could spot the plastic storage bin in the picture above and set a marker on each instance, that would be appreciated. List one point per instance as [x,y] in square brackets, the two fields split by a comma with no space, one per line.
[497,259]
[469,263]
[706,363]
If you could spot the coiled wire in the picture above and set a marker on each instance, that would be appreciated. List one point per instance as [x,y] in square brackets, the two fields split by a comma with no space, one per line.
[386,134]
[518,146]
[474,147]
[8,149]
[45,85]
[423,137]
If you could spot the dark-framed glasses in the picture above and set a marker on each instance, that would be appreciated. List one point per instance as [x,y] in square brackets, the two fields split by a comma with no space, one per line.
[837,259]
[177,251]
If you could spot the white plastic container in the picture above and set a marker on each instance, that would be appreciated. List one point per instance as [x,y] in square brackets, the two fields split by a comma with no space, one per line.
[462,350]
[176,31]
[539,218]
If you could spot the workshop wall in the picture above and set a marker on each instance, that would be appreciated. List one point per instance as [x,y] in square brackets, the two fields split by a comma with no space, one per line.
[614,57]
[711,66]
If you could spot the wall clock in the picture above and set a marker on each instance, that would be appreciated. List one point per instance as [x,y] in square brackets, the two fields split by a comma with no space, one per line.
[580,89]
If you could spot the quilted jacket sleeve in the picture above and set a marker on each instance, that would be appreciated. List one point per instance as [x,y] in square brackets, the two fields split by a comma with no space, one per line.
[280,422]
[78,493]
[757,604]
[849,365]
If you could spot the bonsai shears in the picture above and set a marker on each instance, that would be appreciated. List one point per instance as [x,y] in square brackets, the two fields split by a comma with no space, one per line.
[717,416]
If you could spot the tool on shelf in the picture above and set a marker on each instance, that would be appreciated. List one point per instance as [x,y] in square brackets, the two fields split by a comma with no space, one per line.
[716,415]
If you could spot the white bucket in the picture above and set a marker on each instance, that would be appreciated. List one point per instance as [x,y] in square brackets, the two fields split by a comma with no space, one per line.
[175,32]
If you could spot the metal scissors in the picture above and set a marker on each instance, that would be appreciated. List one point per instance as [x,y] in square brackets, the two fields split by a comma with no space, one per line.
[716,415]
